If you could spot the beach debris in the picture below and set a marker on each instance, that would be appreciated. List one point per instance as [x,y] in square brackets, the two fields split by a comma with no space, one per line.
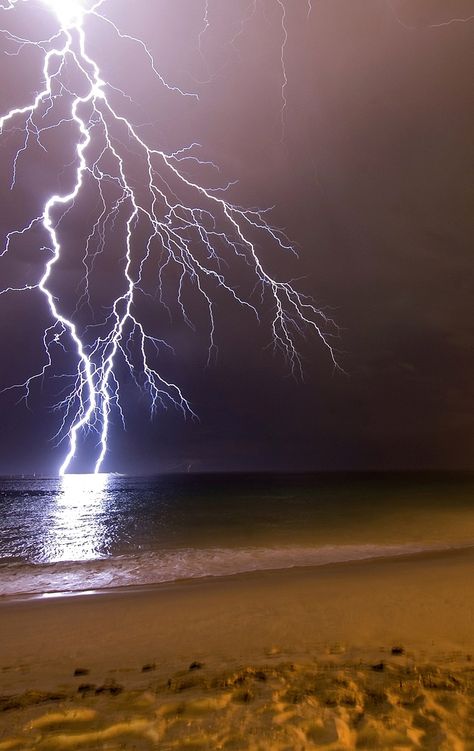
[86,688]
[81,671]
[196,665]
[378,667]
[397,650]
[110,687]
[148,667]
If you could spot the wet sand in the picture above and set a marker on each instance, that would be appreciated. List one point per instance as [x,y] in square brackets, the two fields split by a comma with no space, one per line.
[374,654]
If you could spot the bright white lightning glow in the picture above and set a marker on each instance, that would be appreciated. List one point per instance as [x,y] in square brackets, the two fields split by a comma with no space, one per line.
[174,227]
[69,12]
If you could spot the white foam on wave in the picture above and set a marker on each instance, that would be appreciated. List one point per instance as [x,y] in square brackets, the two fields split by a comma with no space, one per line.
[187,563]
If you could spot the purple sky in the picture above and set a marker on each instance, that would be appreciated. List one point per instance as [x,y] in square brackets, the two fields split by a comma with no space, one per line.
[371,178]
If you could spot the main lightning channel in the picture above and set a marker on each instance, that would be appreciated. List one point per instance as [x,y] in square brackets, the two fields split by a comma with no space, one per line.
[175,225]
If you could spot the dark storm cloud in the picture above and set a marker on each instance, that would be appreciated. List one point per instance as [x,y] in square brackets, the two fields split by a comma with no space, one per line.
[372,181]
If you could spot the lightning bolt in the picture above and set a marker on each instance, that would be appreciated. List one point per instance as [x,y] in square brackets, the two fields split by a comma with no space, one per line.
[284,84]
[281,7]
[439,25]
[174,223]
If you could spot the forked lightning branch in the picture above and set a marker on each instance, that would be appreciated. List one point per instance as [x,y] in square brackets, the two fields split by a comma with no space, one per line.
[174,222]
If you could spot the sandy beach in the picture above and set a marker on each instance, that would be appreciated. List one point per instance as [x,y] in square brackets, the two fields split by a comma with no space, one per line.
[374,654]
[236,404]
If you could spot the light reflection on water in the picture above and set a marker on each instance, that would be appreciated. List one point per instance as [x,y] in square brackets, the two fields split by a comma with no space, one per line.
[81,518]
[84,532]
[78,529]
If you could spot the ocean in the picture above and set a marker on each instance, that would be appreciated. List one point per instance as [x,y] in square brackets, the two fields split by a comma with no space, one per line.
[90,532]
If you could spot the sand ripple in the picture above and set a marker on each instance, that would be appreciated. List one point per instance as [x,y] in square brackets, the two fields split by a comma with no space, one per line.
[277,707]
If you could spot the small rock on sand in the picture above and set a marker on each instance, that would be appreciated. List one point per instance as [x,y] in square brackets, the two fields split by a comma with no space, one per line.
[148,667]
[81,671]
[196,665]
[397,650]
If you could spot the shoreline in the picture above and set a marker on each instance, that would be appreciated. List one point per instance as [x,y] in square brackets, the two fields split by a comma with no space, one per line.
[426,552]
[439,580]
[336,655]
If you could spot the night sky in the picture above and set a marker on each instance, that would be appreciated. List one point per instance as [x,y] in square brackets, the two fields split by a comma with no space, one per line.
[371,178]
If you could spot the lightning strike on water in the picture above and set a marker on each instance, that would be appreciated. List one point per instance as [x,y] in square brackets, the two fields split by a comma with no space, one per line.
[179,213]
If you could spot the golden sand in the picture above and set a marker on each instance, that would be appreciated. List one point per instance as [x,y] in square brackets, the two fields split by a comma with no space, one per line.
[323,704]
[374,655]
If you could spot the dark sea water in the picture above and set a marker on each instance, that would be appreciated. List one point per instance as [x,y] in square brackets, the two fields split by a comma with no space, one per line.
[87,532]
